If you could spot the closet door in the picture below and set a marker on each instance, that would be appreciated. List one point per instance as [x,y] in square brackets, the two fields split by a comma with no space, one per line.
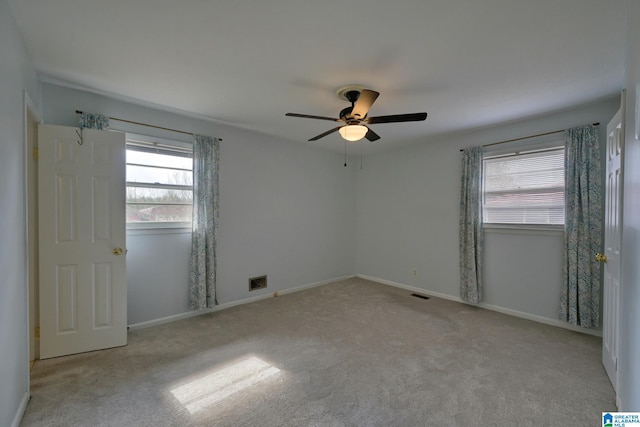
[612,246]
[83,289]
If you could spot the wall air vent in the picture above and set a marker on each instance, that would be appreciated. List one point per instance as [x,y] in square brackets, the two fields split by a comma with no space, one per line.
[259,282]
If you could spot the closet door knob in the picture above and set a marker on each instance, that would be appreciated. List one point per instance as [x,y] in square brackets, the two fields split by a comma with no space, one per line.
[117,251]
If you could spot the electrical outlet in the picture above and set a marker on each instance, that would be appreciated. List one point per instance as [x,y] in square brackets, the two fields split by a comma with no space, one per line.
[415,272]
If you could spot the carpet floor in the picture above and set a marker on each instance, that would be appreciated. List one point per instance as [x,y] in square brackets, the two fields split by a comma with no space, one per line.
[351,353]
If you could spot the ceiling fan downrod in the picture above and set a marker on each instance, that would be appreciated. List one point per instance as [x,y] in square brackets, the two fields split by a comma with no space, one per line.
[352,96]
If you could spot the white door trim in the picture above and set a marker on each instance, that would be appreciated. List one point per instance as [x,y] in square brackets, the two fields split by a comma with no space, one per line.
[29,109]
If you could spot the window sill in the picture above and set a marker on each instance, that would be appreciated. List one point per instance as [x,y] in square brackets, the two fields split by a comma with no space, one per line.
[550,230]
[138,231]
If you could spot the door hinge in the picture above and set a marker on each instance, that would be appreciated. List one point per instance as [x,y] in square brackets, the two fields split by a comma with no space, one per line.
[37,333]
[35,153]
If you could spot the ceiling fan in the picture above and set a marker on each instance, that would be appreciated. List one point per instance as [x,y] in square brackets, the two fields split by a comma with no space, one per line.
[355,118]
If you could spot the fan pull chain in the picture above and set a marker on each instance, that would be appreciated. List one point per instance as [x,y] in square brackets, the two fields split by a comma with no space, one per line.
[345,153]
[361,155]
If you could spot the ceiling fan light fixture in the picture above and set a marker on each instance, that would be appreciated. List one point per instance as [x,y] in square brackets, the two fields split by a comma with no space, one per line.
[353,132]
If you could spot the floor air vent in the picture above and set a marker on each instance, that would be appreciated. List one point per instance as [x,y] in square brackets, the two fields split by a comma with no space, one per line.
[259,282]
[420,296]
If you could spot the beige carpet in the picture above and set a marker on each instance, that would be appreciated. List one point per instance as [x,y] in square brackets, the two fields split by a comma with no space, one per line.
[352,353]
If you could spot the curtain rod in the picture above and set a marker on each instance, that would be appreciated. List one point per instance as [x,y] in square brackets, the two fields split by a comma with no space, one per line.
[147,125]
[530,136]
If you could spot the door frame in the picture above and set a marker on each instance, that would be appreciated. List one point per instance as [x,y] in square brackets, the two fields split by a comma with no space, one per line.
[31,117]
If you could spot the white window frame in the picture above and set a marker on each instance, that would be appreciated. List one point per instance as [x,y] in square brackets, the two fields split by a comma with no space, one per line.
[548,143]
[156,144]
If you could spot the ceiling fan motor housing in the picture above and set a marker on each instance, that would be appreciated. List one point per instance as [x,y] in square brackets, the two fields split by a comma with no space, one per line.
[346,114]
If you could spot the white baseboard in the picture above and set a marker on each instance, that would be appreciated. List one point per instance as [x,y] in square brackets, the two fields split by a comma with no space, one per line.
[410,288]
[219,307]
[504,310]
[314,285]
[21,409]
[542,319]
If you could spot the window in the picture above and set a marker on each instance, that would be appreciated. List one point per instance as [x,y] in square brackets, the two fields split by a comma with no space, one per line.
[159,183]
[524,188]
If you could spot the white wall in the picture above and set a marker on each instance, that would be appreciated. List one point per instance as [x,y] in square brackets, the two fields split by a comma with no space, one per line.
[408,205]
[286,210]
[629,360]
[157,275]
[16,75]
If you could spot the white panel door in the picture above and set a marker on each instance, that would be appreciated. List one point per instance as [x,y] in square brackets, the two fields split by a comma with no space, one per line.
[83,289]
[612,245]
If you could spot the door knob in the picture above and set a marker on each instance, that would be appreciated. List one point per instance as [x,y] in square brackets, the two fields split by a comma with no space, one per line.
[117,251]
[601,258]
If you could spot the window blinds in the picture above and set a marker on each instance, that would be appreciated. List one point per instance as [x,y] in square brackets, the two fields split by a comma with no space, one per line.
[524,188]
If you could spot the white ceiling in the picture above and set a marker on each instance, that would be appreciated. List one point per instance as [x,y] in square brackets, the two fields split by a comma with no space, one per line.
[468,63]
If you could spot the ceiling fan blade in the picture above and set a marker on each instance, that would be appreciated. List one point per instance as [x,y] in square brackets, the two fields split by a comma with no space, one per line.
[397,118]
[372,136]
[307,116]
[322,135]
[363,104]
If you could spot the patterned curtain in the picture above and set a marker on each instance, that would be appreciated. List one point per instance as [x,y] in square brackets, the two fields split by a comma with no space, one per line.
[94,121]
[580,299]
[202,289]
[471,236]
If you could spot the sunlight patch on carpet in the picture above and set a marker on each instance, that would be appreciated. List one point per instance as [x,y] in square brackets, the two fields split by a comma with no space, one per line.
[203,392]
